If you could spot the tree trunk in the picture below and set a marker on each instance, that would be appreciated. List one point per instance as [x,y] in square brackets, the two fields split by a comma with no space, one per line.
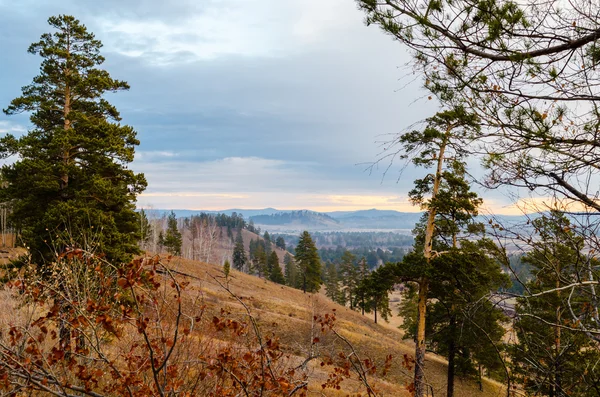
[420,342]
[451,356]
[64,177]
[375,310]
[557,347]
[424,282]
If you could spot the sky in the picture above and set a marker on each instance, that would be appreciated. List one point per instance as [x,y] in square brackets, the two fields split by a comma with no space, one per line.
[245,103]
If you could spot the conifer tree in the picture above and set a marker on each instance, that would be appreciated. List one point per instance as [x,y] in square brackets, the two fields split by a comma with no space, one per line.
[349,277]
[280,243]
[146,231]
[275,273]
[376,288]
[291,270]
[267,244]
[362,288]
[332,284]
[239,253]
[458,273]
[440,145]
[259,263]
[71,179]
[226,268]
[553,357]
[172,237]
[309,263]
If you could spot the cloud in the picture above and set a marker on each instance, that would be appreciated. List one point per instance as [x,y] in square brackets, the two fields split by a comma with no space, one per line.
[250,103]
[9,127]
[265,28]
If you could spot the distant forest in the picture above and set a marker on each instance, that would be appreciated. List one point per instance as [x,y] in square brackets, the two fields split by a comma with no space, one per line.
[284,218]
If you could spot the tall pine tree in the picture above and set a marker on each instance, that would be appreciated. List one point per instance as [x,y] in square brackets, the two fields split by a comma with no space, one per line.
[554,357]
[172,237]
[71,185]
[275,273]
[309,263]
[239,253]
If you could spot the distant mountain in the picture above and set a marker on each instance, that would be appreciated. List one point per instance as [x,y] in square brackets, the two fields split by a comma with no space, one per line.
[303,219]
[376,219]
[372,213]
[297,220]
[182,213]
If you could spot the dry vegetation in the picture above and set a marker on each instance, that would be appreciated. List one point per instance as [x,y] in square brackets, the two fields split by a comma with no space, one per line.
[282,313]
[288,313]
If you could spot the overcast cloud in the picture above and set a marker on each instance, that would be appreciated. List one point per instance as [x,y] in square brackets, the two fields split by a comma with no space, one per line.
[242,103]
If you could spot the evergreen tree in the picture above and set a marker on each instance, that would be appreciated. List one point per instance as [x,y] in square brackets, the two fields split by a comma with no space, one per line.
[267,243]
[361,296]
[553,357]
[280,243]
[259,263]
[239,253]
[458,272]
[463,322]
[252,249]
[349,277]
[309,263]
[146,232]
[226,268]
[291,270]
[172,237]
[71,177]
[332,284]
[376,288]
[275,273]
[161,241]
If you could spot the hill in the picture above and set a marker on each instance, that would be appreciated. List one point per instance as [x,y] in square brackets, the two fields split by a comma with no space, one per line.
[289,314]
[291,221]
[297,219]
[377,219]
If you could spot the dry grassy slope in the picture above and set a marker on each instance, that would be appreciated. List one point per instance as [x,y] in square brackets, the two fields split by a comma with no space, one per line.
[288,312]
[224,247]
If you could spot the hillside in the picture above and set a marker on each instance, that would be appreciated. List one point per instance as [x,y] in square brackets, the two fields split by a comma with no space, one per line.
[297,219]
[288,313]
[293,221]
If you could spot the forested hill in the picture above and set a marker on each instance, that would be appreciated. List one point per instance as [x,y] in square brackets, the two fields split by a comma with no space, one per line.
[293,221]
[305,218]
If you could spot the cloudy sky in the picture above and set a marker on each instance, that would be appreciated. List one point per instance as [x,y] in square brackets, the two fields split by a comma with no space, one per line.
[243,103]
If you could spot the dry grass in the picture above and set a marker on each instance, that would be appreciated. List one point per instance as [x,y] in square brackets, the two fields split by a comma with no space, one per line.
[288,313]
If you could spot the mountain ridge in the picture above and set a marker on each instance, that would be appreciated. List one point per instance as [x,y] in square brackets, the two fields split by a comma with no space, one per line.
[273,219]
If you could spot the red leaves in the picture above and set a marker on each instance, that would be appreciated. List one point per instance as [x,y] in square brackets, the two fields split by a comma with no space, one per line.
[132,347]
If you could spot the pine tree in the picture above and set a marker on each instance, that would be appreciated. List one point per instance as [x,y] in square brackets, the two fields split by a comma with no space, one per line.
[280,243]
[275,273]
[146,232]
[291,270]
[361,296]
[376,288]
[267,243]
[309,263]
[440,145]
[553,357]
[259,263]
[71,179]
[226,268]
[348,275]
[458,273]
[172,237]
[239,253]
[332,284]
